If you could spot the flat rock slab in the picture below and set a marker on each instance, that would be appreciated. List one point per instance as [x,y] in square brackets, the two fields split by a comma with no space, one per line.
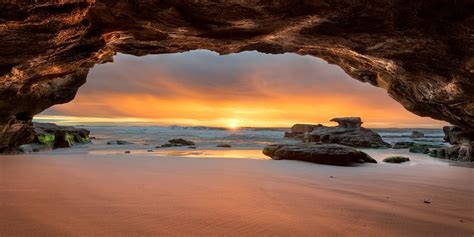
[329,154]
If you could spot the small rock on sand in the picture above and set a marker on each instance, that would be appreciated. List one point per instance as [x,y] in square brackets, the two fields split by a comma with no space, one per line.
[396,159]
[182,142]
[118,142]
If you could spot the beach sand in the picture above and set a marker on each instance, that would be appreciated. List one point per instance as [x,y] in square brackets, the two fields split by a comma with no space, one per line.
[121,195]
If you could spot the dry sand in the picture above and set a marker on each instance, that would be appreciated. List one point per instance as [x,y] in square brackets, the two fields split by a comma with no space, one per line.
[98,195]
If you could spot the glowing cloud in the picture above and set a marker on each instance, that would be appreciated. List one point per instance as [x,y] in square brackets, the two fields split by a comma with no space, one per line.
[247,89]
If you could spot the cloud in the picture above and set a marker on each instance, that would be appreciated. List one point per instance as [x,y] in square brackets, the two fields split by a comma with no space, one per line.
[255,88]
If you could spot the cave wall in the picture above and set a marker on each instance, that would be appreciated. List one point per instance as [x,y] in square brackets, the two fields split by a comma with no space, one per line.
[420,52]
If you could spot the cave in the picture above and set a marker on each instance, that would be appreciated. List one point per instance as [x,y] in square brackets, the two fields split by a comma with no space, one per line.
[421,53]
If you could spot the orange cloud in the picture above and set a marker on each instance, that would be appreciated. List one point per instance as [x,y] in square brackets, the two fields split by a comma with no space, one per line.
[238,90]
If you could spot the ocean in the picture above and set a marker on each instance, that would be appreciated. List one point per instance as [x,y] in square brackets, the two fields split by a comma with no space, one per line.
[245,142]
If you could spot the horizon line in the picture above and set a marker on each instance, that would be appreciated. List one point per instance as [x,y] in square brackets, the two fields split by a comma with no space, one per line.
[131,121]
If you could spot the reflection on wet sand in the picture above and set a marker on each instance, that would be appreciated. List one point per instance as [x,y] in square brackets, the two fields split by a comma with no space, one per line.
[216,153]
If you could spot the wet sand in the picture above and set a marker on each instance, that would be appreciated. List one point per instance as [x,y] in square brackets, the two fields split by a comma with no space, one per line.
[120,195]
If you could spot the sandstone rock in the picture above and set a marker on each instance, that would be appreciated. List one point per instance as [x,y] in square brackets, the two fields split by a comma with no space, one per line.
[420,52]
[456,135]
[402,145]
[396,159]
[119,142]
[224,145]
[181,142]
[417,134]
[450,153]
[49,134]
[330,154]
[463,145]
[14,133]
[349,132]
[170,145]
[298,130]
[462,148]
[420,148]
[348,122]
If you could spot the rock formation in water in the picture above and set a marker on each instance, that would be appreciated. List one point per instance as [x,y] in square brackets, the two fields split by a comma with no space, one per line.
[349,132]
[48,136]
[420,52]
[417,134]
[178,142]
[329,154]
[298,130]
[463,149]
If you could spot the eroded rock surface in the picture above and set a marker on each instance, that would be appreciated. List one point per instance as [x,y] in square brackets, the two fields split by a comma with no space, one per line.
[329,154]
[298,131]
[349,132]
[48,136]
[463,145]
[396,159]
[420,52]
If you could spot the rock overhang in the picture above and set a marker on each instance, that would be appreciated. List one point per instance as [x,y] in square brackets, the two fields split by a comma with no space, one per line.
[421,52]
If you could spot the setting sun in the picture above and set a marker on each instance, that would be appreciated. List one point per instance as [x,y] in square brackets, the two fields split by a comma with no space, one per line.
[237,118]
[244,90]
[233,124]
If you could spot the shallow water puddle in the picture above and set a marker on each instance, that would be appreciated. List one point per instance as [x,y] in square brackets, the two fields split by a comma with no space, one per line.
[235,154]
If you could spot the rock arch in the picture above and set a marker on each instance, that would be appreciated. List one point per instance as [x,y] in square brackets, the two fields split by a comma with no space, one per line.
[420,52]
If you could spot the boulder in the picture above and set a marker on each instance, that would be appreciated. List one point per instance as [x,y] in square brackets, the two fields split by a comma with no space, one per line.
[330,154]
[48,136]
[349,132]
[348,122]
[402,145]
[119,142]
[298,130]
[181,142]
[456,136]
[14,133]
[417,134]
[449,153]
[462,148]
[420,148]
[169,145]
[396,159]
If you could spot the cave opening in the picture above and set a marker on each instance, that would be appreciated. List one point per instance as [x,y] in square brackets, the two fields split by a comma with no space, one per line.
[248,89]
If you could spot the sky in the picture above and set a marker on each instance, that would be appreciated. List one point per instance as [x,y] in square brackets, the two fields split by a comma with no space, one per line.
[249,89]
